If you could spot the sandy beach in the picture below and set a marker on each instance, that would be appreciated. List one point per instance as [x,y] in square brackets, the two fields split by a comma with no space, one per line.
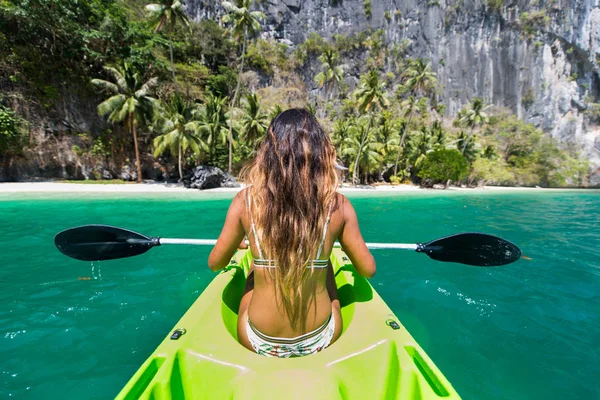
[67,187]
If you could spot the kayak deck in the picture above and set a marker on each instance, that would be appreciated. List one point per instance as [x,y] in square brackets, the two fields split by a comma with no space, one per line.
[371,360]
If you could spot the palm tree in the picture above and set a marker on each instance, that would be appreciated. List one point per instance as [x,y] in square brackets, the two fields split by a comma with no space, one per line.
[246,24]
[369,154]
[175,137]
[438,135]
[370,158]
[331,73]
[341,133]
[466,146]
[254,122]
[311,107]
[422,142]
[490,152]
[369,95]
[130,101]
[474,116]
[409,105]
[168,13]
[211,122]
[387,136]
[275,111]
[419,80]
[419,144]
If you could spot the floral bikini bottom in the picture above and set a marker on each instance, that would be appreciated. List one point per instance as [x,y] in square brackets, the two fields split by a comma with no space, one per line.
[302,345]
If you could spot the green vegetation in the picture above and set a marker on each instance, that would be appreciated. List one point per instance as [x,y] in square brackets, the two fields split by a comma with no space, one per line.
[532,22]
[129,102]
[59,40]
[12,134]
[369,96]
[170,91]
[495,5]
[168,13]
[593,112]
[528,99]
[443,165]
[419,80]
[266,55]
[538,45]
[176,135]
[255,122]
[452,12]
[332,74]
[244,24]
[367,7]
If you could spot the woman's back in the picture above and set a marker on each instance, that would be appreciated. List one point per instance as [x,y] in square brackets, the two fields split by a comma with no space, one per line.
[273,321]
[292,215]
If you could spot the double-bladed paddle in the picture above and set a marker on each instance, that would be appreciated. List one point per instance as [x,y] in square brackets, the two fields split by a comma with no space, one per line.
[104,242]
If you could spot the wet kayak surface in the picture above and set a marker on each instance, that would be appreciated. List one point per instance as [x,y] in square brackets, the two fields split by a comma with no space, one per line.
[74,329]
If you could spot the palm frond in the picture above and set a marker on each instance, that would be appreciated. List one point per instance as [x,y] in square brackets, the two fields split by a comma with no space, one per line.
[111,105]
[106,85]
[118,76]
[155,8]
[147,87]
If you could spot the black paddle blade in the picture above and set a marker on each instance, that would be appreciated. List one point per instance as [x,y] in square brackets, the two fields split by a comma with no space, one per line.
[102,242]
[478,249]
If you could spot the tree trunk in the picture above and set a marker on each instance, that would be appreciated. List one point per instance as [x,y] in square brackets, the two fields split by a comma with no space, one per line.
[137,151]
[355,172]
[467,141]
[171,52]
[401,143]
[235,94]
[326,100]
[180,171]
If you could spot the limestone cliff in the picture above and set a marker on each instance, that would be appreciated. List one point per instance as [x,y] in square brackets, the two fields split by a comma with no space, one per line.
[541,59]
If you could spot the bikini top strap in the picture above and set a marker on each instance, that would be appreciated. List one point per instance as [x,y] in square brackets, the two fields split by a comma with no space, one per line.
[253,228]
[324,232]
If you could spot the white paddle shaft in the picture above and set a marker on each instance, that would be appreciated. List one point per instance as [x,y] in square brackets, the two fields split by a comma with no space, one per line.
[208,242]
[212,242]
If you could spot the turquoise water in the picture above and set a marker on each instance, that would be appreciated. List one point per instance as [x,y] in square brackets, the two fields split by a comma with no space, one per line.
[524,331]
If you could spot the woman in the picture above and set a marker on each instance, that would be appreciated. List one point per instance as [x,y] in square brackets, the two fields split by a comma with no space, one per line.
[292,216]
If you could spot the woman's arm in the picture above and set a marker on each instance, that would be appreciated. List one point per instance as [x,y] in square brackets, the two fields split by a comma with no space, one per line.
[231,235]
[353,243]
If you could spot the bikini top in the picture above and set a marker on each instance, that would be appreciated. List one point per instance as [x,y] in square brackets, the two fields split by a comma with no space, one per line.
[265,263]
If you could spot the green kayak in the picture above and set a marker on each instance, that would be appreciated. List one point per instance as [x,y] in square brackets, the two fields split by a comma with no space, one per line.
[375,358]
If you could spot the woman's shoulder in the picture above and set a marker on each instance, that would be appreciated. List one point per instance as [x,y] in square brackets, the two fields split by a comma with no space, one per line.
[341,204]
[239,201]
[243,193]
[341,200]
[344,208]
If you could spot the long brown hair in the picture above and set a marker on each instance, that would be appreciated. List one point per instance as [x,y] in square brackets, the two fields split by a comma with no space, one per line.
[294,183]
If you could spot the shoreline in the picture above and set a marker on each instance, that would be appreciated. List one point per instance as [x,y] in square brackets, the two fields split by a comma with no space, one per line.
[68,187]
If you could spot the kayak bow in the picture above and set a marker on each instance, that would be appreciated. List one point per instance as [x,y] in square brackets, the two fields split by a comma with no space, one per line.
[375,358]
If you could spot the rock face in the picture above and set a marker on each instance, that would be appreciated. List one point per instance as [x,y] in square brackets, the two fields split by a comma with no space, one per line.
[539,59]
[204,177]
